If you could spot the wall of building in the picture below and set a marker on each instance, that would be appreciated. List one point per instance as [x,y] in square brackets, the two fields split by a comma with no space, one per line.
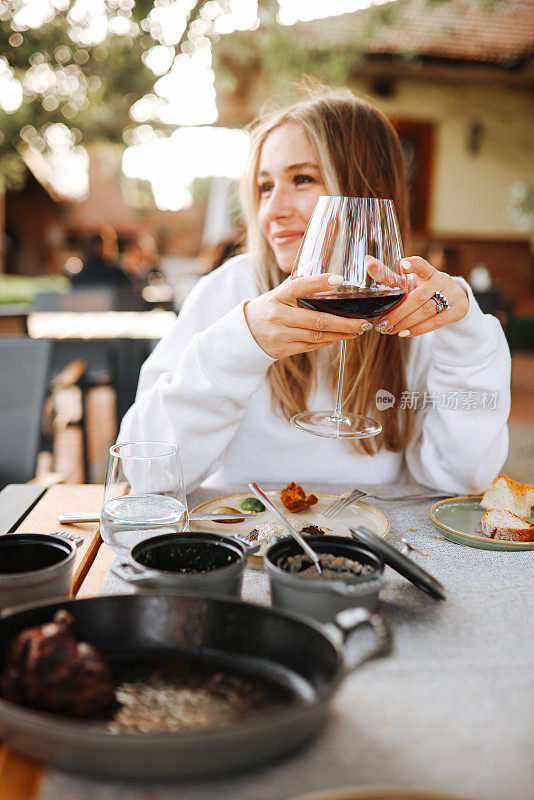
[469,215]
[469,190]
[29,217]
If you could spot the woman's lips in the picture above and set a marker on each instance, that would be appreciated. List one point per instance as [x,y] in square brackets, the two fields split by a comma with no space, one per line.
[287,237]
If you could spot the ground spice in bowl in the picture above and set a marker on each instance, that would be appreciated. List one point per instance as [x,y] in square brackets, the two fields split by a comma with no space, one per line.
[333,567]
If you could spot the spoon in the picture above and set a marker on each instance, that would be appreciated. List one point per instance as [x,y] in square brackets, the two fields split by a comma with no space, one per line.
[295,534]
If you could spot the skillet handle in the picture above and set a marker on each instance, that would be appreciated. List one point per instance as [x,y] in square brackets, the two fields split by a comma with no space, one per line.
[125,571]
[350,619]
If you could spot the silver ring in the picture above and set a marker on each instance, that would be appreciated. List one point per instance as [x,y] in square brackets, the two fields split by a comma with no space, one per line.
[441,302]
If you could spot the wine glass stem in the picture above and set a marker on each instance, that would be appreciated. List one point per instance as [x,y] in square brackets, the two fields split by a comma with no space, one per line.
[339,392]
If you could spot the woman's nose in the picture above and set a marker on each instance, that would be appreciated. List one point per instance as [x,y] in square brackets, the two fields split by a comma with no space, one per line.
[279,204]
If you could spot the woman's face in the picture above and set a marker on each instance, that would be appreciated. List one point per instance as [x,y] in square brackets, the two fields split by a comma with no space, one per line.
[289,182]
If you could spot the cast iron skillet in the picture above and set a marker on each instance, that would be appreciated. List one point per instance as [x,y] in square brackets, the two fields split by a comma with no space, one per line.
[308,659]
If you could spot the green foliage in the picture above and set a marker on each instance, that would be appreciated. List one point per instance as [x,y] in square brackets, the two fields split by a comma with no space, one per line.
[276,53]
[521,205]
[137,193]
[91,88]
[281,56]
[200,190]
[12,171]
[88,88]
[21,289]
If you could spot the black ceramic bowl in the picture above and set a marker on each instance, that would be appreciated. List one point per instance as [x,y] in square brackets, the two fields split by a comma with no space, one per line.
[188,562]
[34,566]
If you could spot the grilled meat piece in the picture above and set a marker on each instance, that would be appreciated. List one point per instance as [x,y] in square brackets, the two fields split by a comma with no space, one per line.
[48,669]
[294,498]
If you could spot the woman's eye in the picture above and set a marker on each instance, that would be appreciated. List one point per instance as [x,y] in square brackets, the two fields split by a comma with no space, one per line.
[300,179]
[265,188]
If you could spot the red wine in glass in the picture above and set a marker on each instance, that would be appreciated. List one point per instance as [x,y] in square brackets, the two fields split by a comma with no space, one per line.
[358,240]
[354,302]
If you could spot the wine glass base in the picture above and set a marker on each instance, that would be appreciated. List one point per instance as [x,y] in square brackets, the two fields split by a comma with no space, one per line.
[329,426]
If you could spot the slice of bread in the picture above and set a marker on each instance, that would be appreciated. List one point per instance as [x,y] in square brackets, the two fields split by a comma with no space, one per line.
[507,527]
[505,494]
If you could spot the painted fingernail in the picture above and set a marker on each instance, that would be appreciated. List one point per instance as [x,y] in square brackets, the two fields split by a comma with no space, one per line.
[364,327]
[384,326]
[335,280]
[405,265]
[402,334]
[367,259]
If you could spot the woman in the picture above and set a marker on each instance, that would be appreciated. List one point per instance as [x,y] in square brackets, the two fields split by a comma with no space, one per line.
[243,358]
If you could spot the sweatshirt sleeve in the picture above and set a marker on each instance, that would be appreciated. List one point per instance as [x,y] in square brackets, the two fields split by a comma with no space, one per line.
[461,399]
[196,386]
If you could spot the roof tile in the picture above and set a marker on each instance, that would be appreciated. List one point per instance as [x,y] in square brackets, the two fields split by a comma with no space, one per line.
[458,29]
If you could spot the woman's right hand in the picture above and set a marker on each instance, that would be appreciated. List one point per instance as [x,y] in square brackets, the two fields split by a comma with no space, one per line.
[283,329]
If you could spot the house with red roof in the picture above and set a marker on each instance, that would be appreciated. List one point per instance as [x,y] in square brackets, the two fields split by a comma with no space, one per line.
[457,80]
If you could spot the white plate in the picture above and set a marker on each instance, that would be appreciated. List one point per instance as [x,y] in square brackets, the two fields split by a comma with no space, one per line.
[357,513]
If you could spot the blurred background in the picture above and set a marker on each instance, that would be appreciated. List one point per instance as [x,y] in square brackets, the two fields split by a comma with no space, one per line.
[123,136]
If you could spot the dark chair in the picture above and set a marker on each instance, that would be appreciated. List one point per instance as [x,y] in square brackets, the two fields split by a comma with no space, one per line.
[24,365]
[67,359]
[14,319]
[109,362]
[95,354]
[492,301]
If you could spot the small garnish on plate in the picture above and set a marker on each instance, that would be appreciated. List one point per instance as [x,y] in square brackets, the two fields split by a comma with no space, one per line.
[294,498]
[274,529]
[228,510]
[252,504]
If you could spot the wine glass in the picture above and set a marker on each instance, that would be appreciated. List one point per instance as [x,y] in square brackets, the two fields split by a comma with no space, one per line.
[143,495]
[342,234]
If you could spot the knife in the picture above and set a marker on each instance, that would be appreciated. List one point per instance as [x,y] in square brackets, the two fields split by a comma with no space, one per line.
[95,517]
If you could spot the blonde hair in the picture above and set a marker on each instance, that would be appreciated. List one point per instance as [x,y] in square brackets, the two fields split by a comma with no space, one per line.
[359,155]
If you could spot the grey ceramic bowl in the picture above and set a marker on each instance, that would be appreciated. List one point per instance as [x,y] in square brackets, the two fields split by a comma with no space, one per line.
[204,563]
[34,566]
[317,597]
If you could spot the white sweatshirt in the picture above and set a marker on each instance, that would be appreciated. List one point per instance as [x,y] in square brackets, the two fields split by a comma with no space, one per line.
[205,388]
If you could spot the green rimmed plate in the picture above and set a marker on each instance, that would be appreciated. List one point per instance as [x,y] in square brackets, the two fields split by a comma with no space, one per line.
[460,520]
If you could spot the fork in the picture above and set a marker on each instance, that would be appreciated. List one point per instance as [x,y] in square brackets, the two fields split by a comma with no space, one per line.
[344,500]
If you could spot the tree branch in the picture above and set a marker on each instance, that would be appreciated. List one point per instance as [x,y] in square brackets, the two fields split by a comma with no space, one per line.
[193,14]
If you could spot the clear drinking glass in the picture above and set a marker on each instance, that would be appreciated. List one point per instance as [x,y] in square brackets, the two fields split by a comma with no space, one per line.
[144,494]
[341,234]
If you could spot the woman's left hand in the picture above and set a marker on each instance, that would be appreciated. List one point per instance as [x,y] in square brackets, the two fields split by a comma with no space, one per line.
[418,312]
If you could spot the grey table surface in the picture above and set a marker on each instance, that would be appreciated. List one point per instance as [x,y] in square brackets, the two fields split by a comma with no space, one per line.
[451,710]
